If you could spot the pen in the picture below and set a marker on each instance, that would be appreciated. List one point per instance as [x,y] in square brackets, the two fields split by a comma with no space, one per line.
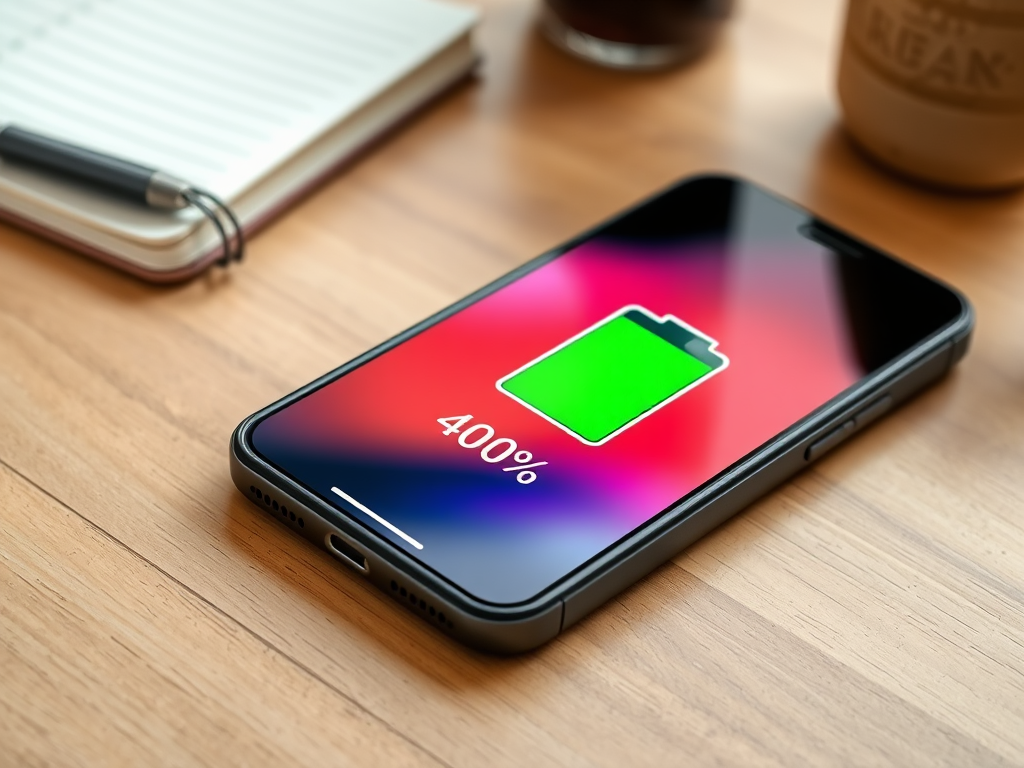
[121,178]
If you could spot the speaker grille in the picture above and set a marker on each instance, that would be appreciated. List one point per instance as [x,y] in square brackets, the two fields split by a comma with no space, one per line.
[279,510]
[403,595]
[413,601]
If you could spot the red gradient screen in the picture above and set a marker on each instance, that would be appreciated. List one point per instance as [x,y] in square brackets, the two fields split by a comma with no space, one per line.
[455,494]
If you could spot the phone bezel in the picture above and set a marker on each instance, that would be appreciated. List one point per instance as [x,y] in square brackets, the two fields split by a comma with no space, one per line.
[732,478]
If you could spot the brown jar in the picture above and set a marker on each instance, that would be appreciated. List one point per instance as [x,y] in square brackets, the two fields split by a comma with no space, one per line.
[935,88]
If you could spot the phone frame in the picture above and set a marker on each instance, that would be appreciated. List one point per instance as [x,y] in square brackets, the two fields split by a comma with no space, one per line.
[518,627]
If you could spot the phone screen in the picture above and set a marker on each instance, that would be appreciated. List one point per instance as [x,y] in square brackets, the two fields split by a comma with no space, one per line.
[516,439]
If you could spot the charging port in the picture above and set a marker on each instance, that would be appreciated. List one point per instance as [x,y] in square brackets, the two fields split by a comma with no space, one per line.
[347,552]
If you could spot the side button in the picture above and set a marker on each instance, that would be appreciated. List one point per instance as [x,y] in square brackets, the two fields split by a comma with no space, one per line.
[873,411]
[830,441]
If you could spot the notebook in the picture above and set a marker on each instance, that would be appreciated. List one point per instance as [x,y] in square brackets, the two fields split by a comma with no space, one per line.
[255,100]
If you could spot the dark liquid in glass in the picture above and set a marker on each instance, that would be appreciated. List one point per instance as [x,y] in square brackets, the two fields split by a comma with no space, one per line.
[635,34]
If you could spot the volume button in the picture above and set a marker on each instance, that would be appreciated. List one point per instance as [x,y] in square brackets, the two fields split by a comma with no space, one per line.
[830,441]
[866,415]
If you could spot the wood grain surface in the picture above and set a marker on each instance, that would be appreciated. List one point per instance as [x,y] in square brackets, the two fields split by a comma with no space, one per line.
[869,612]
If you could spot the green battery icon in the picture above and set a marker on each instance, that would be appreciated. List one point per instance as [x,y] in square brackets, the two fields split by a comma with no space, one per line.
[615,373]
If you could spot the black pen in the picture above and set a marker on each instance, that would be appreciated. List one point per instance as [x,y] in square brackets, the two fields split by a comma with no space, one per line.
[121,178]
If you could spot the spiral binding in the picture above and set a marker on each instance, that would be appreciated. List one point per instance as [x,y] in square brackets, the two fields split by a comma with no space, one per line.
[217,211]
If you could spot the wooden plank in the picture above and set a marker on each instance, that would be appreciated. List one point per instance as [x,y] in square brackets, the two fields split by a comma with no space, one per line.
[106,660]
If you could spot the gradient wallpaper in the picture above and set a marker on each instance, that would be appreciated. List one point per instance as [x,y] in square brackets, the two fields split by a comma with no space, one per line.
[770,298]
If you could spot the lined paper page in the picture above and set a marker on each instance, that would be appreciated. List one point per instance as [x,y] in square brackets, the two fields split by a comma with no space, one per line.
[217,93]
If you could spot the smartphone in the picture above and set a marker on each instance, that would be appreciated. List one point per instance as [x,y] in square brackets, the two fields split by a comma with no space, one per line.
[509,464]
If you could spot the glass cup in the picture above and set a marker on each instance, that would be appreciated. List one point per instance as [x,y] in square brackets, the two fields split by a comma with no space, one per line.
[634,34]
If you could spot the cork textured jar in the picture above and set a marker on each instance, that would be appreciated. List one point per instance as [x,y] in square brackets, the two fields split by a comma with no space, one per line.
[935,88]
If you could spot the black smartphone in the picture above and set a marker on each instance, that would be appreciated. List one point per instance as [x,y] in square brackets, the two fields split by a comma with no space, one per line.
[509,464]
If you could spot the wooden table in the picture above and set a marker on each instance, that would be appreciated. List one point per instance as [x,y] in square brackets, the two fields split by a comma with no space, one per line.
[871,611]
